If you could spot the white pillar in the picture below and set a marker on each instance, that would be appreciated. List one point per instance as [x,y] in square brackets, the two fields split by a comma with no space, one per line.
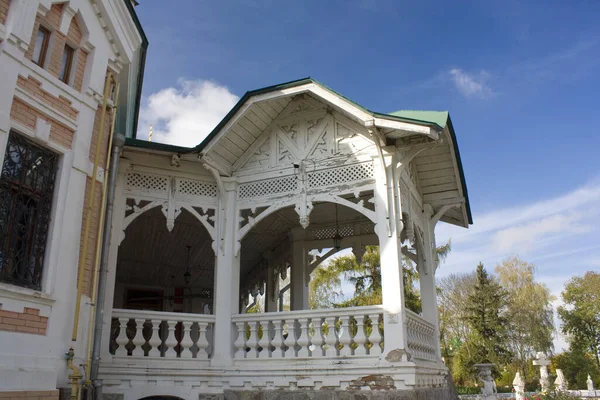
[117,234]
[227,280]
[391,264]
[299,271]
[427,276]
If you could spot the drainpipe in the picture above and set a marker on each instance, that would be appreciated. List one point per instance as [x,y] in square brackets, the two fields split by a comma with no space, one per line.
[118,143]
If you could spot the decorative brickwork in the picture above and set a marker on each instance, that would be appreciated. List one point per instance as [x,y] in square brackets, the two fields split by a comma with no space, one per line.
[74,34]
[4,6]
[59,104]
[29,321]
[31,395]
[90,257]
[27,116]
[80,70]
[51,21]
[96,132]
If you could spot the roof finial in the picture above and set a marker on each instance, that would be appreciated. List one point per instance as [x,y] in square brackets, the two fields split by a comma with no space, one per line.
[150,134]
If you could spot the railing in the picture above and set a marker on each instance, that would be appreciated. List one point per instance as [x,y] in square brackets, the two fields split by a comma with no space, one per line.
[421,340]
[346,332]
[161,334]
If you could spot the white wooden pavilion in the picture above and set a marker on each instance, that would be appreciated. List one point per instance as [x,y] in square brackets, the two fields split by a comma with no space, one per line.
[291,169]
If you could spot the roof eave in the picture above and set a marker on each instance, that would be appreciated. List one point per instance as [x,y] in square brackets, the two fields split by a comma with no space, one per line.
[461,171]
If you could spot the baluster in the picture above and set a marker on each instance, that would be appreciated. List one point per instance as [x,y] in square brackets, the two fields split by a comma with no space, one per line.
[186,340]
[360,338]
[303,340]
[344,337]
[240,343]
[375,336]
[171,340]
[265,340]
[202,340]
[317,339]
[330,339]
[155,340]
[252,342]
[138,339]
[289,342]
[122,338]
[277,341]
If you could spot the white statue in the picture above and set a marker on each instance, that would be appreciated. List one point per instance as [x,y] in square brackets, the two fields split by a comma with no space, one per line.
[560,383]
[488,391]
[543,363]
[206,309]
[590,383]
[519,385]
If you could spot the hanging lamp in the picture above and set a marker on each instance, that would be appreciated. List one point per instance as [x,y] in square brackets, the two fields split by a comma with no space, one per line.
[337,239]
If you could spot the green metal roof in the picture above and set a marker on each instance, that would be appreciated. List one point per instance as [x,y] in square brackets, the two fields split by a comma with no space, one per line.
[144,144]
[436,119]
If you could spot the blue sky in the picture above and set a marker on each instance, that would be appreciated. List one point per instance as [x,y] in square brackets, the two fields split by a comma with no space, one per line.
[520,79]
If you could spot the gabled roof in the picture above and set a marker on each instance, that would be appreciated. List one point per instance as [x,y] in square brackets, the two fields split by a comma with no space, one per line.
[430,122]
[300,82]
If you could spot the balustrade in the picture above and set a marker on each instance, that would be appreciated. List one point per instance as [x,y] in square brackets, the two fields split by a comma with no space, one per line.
[162,334]
[421,340]
[346,332]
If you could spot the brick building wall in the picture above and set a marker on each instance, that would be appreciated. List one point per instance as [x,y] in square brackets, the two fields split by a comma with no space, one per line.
[36,321]
[31,395]
[4,6]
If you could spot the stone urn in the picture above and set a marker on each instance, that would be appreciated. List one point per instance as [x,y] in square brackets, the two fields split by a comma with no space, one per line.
[488,391]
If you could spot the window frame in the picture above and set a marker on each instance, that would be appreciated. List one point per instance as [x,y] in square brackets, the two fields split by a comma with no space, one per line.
[36,256]
[41,60]
[69,51]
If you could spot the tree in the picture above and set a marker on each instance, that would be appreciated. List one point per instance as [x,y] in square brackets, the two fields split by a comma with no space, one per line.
[529,312]
[581,313]
[576,364]
[325,285]
[485,307]
[454,330]
[324,289]
[365,276]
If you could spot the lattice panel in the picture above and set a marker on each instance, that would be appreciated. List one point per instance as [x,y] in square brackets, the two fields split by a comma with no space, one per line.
[271,186]
[196,188]
[367,228]
[329,233]
[146,182]
[335,176]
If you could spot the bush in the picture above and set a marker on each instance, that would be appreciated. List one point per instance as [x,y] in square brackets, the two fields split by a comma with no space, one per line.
[554,396]
[468,390]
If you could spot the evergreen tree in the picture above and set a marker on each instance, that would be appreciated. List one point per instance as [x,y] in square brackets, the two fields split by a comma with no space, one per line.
[485,307]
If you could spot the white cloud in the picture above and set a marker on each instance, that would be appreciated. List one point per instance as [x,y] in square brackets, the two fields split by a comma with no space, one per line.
[524,237]
[471,85]
[584,198]
[185,114]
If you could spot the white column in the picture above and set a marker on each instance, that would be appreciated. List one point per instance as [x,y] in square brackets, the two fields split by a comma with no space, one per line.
[116,236]
[391,264]
[227,280]
[427,276]
[299,275]
[272,289]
